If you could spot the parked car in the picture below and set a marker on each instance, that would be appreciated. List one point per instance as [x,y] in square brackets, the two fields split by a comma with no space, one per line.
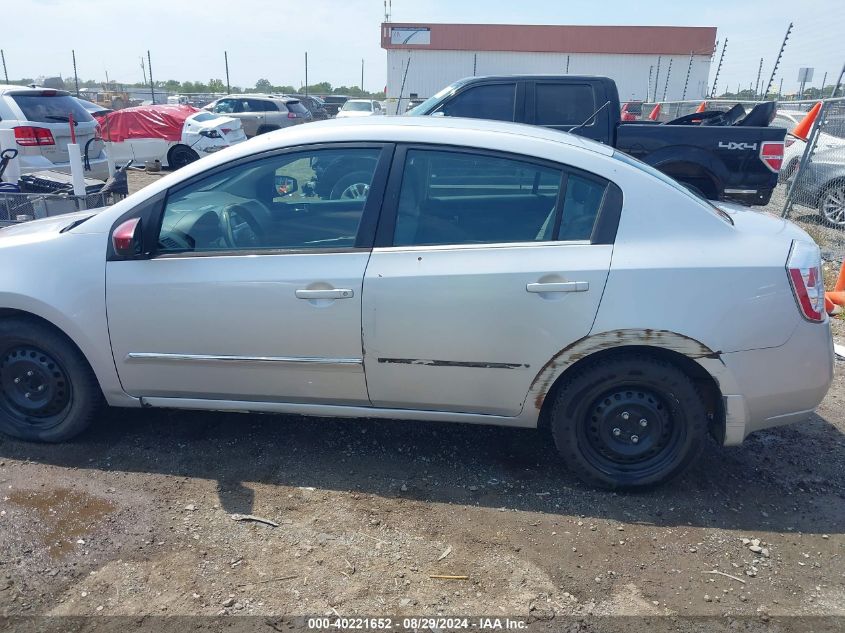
[821,185]
[359,108]
[795,148]
[261,113]
[40,118]
[738,159]
[314,105]
[488,273]
[333,103]
[175,135]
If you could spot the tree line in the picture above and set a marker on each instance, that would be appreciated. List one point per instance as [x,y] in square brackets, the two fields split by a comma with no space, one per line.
[217,86]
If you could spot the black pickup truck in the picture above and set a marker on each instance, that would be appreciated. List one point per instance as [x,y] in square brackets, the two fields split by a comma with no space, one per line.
[723,155]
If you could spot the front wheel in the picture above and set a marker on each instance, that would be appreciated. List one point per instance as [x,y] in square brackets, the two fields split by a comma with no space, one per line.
[629,422]
[48,393]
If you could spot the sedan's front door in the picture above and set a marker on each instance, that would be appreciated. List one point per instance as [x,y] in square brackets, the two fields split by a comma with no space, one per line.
[489,266]
[254,290]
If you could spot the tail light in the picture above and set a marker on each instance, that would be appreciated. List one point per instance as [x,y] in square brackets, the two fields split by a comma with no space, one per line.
[226,130]
[772,155]
[788,142]
[210,134]
[293,115]
[804,267]
[28,136]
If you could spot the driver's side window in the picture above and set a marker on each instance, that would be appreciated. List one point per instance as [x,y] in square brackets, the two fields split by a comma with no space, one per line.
[299,200]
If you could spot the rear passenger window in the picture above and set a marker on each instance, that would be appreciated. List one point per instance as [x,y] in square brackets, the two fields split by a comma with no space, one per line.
[457,198]
[483,102]
[563,104]
[454,198]
[581,204]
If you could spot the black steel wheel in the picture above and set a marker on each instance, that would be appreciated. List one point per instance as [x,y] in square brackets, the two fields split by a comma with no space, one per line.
[47,390]
[629,421]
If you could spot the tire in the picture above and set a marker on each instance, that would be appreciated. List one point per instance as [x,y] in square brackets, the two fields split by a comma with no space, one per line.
[354,186]
[117,103]
[36,359]
[181,155]
[832,205]
[597,422]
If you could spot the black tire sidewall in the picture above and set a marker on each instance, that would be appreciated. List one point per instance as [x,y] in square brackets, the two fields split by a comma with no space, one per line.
[576,396]
[86,395]
[181,156]
[825,193]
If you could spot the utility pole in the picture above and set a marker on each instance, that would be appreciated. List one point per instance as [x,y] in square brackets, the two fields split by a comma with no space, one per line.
[780,88]
[777,61]
[567,64]
[686,81]
[757,86]
[3,57]
[152,84]
[668,73]
[226,61]
[75,76]
[824,81]
[362,75]
[144,69]
[719,69]
[306,73]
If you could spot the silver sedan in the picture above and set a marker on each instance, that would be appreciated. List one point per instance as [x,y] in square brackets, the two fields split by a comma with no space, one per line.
[423,269]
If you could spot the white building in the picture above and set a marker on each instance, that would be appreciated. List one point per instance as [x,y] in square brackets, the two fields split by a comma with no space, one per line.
[647,62]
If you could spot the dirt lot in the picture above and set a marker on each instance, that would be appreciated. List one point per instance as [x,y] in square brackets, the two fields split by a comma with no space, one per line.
[135,517]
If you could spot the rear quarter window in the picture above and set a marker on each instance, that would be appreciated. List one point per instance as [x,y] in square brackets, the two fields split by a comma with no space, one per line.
[296,106]
[45,109]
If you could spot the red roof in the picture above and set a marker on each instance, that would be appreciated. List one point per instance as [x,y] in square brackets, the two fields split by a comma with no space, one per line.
[538,38]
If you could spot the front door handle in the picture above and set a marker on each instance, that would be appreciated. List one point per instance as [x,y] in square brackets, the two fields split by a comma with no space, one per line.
[333,293]
[564,286]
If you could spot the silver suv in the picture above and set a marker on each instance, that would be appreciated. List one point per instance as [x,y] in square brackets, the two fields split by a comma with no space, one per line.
[262,113]
[41,119]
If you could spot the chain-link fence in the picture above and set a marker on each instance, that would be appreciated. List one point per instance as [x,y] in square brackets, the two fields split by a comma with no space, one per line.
[812,189]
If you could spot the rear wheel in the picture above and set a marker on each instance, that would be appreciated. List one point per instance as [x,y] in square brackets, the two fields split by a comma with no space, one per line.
[181,155]
[629,422]
[48,392]
[832,205]
[355,186]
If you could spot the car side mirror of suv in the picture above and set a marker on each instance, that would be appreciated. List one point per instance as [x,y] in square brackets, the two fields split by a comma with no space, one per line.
[127,240]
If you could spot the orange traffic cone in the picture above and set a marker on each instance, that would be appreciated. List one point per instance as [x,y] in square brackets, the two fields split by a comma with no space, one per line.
[840,281]
[655,113]
[701,108]
[802,130]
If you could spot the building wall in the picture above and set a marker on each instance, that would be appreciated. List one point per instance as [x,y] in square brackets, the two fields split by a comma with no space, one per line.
[431,70]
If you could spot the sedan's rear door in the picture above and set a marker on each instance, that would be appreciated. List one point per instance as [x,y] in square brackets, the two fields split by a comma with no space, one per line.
[484,269]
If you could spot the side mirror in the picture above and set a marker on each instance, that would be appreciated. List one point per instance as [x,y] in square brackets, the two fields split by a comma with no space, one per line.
[126,239]
[286,185]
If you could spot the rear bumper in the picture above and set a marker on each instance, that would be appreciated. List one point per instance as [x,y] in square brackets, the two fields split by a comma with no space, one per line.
[771,387]
[749,197]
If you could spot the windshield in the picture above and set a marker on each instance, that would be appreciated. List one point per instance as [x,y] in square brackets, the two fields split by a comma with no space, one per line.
[357,106]
[429,103]
[46,109]
[205,116]
[638,164]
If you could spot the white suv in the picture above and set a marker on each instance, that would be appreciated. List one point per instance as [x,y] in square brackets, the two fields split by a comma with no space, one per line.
[40,118]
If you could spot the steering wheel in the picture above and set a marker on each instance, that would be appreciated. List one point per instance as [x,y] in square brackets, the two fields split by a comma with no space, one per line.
[240,228]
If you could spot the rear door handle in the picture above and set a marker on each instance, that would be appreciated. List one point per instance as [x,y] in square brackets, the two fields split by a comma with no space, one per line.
[564,286]
[333,293]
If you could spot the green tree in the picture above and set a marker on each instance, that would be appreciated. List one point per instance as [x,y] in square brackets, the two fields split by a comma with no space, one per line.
[216,85]
[263,85]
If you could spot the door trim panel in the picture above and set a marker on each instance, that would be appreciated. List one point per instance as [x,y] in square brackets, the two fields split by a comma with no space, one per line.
[334,363]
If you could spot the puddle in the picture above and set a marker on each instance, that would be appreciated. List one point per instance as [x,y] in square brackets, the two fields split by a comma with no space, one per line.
[64,514]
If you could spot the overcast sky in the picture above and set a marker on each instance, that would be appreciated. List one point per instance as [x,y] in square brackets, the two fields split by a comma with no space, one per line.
[268,38]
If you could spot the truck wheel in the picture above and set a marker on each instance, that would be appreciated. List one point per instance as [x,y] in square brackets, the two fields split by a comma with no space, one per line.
[832,205]
[181,155]
[629,421]
[354,186]
[48,393]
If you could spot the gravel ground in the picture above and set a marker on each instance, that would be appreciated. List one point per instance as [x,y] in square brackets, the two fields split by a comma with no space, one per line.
[135,517]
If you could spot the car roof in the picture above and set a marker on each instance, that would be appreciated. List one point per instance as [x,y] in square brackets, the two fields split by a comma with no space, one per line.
[421,129]
[26,89]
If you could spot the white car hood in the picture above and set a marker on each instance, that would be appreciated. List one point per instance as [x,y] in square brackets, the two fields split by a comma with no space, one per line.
[34,230]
